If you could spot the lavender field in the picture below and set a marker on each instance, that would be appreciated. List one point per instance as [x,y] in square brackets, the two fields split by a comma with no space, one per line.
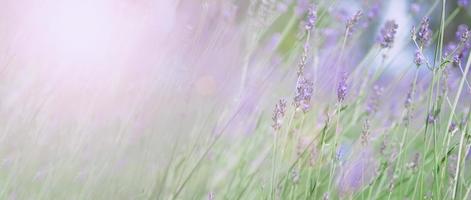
[235,99]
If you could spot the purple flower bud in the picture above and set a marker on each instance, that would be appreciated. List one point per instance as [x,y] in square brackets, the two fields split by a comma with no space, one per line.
[386,39]
[278,114]
[452,50]
[419,58]
[463,33]
[457,58]
[342,88]
[459,49]
[424,33]
[304,90]
[353,21]
[311,18]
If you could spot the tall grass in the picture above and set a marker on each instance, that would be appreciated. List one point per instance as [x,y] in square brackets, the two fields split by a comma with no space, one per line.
[337,149]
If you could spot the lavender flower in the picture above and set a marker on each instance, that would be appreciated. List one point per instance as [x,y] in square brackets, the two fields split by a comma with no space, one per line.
[463,3]
[424,33]
[452,50]
[278,114]
[304,90]
[386,39]
[354,19]
[352,22]
[460,51]
[342,88]
[463,33]
[459,57]
[311,18]
[419,59]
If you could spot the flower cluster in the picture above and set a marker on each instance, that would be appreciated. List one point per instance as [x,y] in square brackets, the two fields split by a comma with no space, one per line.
[386,38]
[459,49]
[424,34]
[463,34]
[353,21]
[311,18]
[304,90]
[419,58]
[342,88]
[279,114]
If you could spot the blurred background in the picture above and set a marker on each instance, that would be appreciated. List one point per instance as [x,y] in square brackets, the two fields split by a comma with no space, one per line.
[99,93]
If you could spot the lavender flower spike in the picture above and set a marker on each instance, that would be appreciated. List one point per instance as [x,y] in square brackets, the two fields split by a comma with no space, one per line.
[463,37]
[463,33]
[278,114]
[419,59]
[386,39]
[354,19]
[304,90]
[342,88]
[352,22]
[311,18]
[424,33]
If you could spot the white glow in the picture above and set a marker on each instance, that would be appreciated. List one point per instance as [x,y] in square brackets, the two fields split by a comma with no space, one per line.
[84,54]
[79,28]
[78,32]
